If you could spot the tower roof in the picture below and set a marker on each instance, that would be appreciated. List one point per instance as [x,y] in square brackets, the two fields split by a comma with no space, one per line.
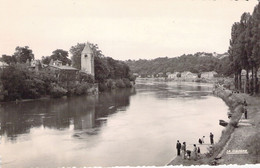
[87,49]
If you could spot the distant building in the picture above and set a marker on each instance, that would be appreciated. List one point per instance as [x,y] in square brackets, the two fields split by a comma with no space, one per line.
[87,60]
[173,75]
[188,75]
[160,74]
[64,73]
[208,75]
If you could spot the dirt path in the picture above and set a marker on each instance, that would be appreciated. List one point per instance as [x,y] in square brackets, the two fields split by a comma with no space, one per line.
[240,148]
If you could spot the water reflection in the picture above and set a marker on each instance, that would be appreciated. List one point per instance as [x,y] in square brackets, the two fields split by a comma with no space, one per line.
[112,129]
[82,112]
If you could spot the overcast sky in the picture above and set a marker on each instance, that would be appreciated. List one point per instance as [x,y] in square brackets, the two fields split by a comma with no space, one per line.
[123,29]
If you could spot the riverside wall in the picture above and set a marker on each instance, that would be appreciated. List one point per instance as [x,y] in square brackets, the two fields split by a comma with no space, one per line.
[235,103]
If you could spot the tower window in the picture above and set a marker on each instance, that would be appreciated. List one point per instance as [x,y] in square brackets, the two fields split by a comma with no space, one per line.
[86,55]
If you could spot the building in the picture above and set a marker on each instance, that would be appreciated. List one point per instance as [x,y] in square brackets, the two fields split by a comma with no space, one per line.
[208,75]
[87,60]
[188,75]
[63,73]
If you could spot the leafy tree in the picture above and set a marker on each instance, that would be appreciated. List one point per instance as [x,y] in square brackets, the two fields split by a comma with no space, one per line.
[76,55]
[61,55]
[58,54]
[46,60]
[8,59]
[23,54]
[21,83]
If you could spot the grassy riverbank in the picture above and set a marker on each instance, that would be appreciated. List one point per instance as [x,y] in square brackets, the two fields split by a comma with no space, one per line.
[239,135]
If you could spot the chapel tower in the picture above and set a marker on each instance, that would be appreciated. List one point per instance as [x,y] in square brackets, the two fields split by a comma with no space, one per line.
[87,60]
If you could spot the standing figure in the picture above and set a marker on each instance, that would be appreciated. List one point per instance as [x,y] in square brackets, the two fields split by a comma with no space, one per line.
[178,147]
[245,103]
[202,139]
[188,154]
[195,155]
[183,150]
[211,138]
[245,112]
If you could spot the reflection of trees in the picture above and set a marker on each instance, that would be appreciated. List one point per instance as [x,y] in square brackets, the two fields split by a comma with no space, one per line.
[109,102]
[83,112]
[59,113]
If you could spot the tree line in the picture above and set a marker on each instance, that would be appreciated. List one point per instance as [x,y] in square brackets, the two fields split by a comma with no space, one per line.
[195,63]
[244,51]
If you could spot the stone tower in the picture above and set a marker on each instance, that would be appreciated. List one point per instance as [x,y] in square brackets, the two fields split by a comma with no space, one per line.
[87,60]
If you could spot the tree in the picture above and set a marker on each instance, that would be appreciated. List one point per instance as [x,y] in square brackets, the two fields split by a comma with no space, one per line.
[23,54]
[8,59]
[46,59]
[76,55]
[58,54]
[255,58]
[61,55]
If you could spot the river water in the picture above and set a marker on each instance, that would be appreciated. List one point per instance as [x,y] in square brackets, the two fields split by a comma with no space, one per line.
[135,127]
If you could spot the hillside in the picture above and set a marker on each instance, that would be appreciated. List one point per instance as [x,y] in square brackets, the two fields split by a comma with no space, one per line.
[196,63]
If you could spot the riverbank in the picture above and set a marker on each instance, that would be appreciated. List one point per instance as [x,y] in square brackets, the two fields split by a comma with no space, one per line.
[239,137]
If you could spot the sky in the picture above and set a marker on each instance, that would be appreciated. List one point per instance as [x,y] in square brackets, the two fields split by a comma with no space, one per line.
[123,29]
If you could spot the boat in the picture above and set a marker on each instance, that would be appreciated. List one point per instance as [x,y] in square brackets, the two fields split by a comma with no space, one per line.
[223,123]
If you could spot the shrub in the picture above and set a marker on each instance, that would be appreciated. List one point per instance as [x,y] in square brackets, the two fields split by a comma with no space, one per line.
[127,82]
[83,77]
[120,83]
[102,87]
[82,89]
[57,91]
[110,84]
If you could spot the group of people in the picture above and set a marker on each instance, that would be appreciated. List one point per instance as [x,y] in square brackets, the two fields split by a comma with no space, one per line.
[181,148]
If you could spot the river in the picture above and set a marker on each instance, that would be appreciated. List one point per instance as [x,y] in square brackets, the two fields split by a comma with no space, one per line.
[135,127]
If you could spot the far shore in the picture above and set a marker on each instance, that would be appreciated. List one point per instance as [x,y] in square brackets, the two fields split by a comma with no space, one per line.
[240,134]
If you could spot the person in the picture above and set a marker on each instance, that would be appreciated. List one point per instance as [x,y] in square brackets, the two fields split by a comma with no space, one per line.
[245,112]
[188,154]
[183,150]
[178,147]
[194,152]
[198,149]
[245,103]
[202,139]
[211,138]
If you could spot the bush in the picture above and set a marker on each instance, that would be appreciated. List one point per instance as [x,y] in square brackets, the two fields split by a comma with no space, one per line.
[102,87]
[127,82]
[110,84]
[120,83]
[83,77]
[57,91]
[82,89]
[21,83]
